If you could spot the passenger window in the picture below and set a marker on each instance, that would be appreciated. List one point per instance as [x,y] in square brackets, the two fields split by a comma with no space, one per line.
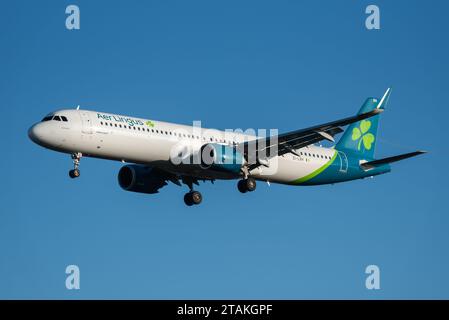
[115,125]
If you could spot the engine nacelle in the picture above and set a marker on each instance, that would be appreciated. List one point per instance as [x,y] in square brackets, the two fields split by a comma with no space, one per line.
[221,157]
[140,179]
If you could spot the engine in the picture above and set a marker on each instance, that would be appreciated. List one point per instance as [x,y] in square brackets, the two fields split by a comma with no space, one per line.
[221,157]
[141,179]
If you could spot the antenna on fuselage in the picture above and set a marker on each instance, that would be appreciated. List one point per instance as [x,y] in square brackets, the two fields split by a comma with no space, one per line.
[78,107]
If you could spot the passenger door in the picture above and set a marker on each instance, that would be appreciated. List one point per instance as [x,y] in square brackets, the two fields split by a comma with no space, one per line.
[86,122]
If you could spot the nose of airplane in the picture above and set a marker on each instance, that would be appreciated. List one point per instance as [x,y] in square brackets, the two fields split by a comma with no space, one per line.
[35,133]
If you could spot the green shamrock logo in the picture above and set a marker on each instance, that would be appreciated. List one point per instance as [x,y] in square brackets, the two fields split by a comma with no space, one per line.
[149,123]
[363,135]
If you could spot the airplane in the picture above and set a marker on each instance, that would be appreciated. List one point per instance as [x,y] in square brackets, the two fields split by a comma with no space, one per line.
[159,152]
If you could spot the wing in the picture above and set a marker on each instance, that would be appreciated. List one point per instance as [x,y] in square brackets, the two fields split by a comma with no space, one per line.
[290,141]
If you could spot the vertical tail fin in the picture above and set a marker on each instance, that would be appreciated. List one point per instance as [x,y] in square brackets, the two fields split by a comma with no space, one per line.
[360,137]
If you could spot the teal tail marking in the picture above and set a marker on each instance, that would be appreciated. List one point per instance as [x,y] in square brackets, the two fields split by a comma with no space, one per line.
[359,139]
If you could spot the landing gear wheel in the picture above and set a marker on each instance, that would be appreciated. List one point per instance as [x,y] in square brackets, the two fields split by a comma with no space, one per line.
[75,173]
[188,199]
[241,186]
[250,184]
[246,185]
[192,197]
[196,197]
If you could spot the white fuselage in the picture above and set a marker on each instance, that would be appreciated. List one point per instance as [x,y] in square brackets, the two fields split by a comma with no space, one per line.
[153,143]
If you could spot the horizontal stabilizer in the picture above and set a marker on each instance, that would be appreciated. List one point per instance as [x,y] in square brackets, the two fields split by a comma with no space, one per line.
[376,163]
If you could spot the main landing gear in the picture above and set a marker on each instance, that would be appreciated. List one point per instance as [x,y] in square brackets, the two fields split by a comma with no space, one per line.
[75,173]
[192,197]
[246,185]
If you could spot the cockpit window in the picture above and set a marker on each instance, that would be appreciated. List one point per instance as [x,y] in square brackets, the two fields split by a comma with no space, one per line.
[56,118]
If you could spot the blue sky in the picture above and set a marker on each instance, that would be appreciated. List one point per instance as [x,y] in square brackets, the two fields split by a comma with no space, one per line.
[230,64]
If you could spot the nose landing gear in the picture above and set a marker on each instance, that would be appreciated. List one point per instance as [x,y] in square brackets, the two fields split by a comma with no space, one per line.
[75,173]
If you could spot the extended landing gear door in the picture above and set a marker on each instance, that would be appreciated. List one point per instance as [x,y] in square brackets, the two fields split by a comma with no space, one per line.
[86,122]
